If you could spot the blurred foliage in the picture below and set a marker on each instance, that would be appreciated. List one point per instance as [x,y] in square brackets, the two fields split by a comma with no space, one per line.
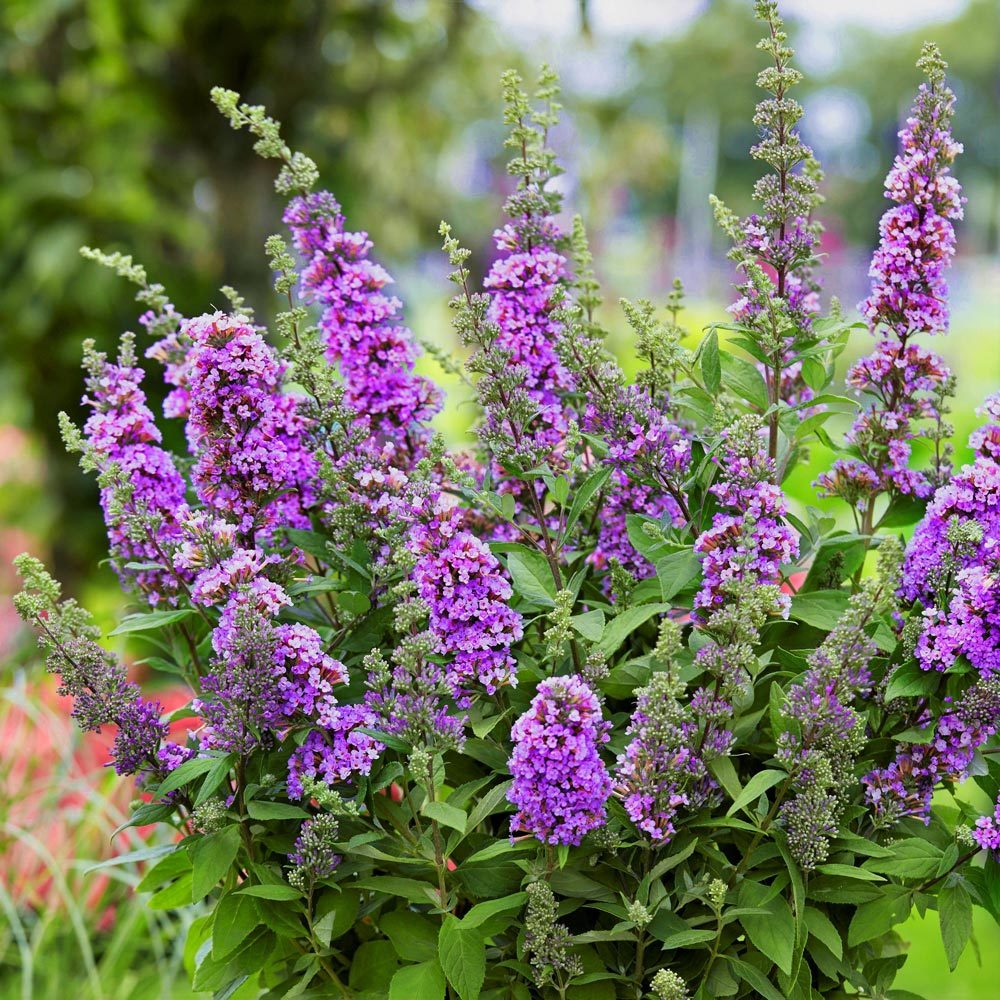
[60,927]
[707,71]
[107,137]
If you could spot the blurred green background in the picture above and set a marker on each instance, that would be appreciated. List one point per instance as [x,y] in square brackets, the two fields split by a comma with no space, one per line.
[107,138]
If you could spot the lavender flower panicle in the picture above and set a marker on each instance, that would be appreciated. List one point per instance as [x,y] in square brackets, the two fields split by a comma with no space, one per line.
[142,490]
[662,768]
[360,326]
[825,732]
[906,382]
[253,466]
[953,562]
[986,833]
[560,783]
[748,539]
[905,786]
[90,675]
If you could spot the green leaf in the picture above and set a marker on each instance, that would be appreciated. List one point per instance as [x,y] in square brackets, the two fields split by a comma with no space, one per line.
[145,814]
[495,800]
[275,892]
[211,858]
[814,374]
[462,953]
[725,771]
[955,910]
[415,937]
[133,857]
[874,918]
[482,912]
[336,913]
[912,858]
[169,868]
[754,978]
[445,814]
[216,775]
[185,773]
[418,982]
[373,966]
[687,938]
[494,850]
[590,624]
[532,576]
[711,367]
[560,490]
[821,928]
[174,896]
[263,810]
[743,378]
[676,571]
[909,681]
[151,620]
[623,625]
[755,787]
[821,608]
[591,485]
[354,602]
[409,889]
[773,933]
[235,917]
[904,511]
[849,871]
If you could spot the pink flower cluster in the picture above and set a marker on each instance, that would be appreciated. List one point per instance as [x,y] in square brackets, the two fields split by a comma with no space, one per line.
[908,297]
[468,595]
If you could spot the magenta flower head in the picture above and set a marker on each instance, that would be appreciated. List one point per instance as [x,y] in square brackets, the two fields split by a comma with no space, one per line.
[561,785]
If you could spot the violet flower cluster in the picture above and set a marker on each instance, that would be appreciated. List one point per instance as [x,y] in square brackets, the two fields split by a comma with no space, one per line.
[953,561]
[121,430]
[825,732]
[649,455]
[906,381]
[748,540]
[561,785]
[524,283]
[905,786]
[987,832]
[253,463]
[360,324]
[663,768]
[94,678]
[776,247]
[468,599]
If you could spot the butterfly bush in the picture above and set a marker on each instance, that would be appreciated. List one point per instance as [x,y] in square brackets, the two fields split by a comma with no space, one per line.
[592,709]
